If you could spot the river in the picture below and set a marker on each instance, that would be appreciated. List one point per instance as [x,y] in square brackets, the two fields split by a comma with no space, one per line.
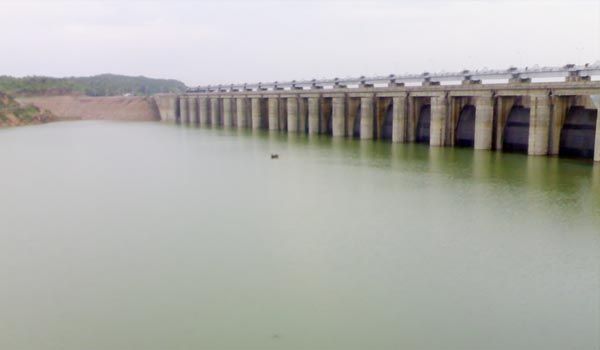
[153,236]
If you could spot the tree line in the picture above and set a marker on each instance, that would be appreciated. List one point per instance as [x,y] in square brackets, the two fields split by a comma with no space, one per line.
[99,85]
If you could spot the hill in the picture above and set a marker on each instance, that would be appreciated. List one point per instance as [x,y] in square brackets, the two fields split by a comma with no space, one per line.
[99,85]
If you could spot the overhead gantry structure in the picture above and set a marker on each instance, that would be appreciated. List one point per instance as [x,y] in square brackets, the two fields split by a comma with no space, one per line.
[569,72]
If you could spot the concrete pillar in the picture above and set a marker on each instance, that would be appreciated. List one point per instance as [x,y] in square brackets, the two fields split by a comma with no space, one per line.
[439,110]
[282,114]
[366,118]
[214,111]
[292,114]
[227,115]
[241,110]
[183,108]
[313,115]
[302,117]
[414,110]
[539,125]
[455,108]
[203,110]
[255,113]
[484,122]
[339,116]
[273,113]
[399,119]
[558,114]
[352,111]
[193,109]
[597,144]
[503,107]
[324,109]
[173,109]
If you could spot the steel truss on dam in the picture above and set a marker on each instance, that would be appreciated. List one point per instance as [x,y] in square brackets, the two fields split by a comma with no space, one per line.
[519,115]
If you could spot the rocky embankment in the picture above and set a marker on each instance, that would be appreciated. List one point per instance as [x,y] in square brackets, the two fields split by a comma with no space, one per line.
[96,108]
[13,113]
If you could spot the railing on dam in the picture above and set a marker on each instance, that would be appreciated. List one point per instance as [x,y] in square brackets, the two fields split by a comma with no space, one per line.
[569,71]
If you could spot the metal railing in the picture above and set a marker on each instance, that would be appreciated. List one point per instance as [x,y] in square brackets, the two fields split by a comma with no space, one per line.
[483,74]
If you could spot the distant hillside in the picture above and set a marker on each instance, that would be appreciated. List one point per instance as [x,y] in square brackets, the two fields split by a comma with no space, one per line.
[99,85]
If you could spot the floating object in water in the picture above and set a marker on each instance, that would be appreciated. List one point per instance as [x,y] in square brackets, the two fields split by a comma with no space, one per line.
[274,156]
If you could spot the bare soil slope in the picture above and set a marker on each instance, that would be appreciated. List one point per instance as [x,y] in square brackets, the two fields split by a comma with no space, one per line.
[85,107]
[14,114]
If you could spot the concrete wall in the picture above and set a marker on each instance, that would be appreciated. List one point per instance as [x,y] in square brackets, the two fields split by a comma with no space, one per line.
[168,107]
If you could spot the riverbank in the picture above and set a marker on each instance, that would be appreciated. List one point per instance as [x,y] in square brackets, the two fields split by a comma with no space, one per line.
[13,113]
[96,108]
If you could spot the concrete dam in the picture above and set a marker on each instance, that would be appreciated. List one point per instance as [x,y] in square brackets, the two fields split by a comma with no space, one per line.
[541,111]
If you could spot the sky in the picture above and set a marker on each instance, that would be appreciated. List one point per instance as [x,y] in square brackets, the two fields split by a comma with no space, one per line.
[222,42]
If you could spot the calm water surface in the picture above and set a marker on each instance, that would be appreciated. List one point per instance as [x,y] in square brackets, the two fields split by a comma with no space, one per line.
[150,236]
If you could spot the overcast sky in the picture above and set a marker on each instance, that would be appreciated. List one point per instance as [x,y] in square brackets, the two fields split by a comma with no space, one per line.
[211,42]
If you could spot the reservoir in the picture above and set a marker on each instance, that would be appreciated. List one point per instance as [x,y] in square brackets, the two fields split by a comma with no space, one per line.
[157,236]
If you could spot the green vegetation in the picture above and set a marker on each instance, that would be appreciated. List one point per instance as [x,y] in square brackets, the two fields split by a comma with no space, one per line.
[99,85]
[6,101]
[26,113]
[13,113]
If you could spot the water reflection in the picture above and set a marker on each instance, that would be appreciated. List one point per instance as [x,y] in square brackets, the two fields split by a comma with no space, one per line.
[564,177]
[543,173]
[570,183]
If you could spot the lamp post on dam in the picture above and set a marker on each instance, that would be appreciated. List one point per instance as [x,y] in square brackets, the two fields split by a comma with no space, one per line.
[541,111]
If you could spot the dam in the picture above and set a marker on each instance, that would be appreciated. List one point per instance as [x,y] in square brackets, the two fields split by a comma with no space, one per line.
[537,111]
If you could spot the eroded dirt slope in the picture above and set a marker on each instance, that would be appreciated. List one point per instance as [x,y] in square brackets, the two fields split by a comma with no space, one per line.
[88,108]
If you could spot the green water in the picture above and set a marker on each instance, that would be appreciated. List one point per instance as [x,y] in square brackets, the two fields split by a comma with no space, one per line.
[151,236]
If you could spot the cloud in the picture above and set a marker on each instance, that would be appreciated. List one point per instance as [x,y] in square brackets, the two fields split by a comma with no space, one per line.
[208,42]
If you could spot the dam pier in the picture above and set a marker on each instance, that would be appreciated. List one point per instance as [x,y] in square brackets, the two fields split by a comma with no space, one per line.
[540,112]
